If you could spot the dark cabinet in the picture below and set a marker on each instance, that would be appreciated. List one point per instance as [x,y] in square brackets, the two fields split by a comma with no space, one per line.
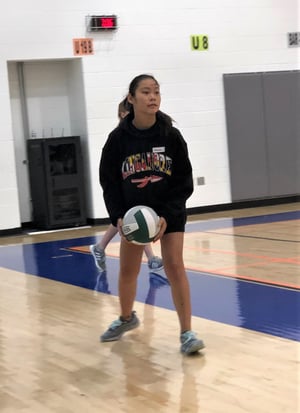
[56,181]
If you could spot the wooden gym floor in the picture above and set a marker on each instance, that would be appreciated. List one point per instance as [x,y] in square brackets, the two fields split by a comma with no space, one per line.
[243,268]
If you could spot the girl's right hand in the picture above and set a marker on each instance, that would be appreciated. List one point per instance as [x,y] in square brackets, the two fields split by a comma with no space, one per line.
[162,224]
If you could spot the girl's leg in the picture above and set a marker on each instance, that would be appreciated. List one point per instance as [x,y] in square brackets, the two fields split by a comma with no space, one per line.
[130,263]
[172,254]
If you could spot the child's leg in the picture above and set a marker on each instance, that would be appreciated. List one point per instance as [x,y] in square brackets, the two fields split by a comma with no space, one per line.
[154,262]
[148,251]
[107,237]
[98,250]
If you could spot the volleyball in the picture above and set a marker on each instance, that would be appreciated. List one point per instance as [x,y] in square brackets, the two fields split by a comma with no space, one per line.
[140,225]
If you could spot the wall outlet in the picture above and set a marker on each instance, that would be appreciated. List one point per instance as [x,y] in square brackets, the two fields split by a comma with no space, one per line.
[200,180]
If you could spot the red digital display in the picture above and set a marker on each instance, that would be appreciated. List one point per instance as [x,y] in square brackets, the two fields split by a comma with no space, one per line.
[107,22]
[98,23]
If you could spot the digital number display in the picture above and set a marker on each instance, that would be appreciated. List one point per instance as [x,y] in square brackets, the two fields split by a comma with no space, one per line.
[103,23]
[107,22]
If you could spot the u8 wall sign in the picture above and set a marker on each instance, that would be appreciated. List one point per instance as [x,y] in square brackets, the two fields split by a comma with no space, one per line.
[199,42]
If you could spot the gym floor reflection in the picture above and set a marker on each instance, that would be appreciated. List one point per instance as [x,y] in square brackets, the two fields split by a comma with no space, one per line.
[244,276]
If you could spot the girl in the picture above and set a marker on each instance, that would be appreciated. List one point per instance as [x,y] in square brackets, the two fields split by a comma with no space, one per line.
[145,162]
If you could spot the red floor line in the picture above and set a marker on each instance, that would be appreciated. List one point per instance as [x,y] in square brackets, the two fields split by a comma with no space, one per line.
[220,271]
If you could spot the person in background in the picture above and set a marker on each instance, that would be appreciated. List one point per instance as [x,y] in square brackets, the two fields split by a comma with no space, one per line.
[146,147]
[98,250]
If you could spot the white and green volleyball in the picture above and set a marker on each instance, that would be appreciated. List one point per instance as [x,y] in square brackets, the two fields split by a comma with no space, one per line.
[140,224]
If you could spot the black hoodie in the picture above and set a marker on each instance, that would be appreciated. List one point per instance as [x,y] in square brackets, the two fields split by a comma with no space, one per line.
[146,167]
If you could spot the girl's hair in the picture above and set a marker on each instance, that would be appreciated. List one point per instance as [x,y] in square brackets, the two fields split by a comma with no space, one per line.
[123,107]
[134,84]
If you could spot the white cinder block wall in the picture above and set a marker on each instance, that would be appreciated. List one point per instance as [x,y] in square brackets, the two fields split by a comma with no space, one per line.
[153,37]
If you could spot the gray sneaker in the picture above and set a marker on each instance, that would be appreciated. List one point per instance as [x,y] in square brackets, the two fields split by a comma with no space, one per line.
[155,263]
[119,327]
[99,257]
[190,343]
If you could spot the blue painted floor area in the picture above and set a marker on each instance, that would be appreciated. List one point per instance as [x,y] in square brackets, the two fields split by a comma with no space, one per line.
[255,306]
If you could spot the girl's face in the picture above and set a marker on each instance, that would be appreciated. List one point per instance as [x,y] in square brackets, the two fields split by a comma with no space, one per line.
[146,100]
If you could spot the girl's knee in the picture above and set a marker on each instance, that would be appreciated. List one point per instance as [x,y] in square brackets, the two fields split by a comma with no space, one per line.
[175,272]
